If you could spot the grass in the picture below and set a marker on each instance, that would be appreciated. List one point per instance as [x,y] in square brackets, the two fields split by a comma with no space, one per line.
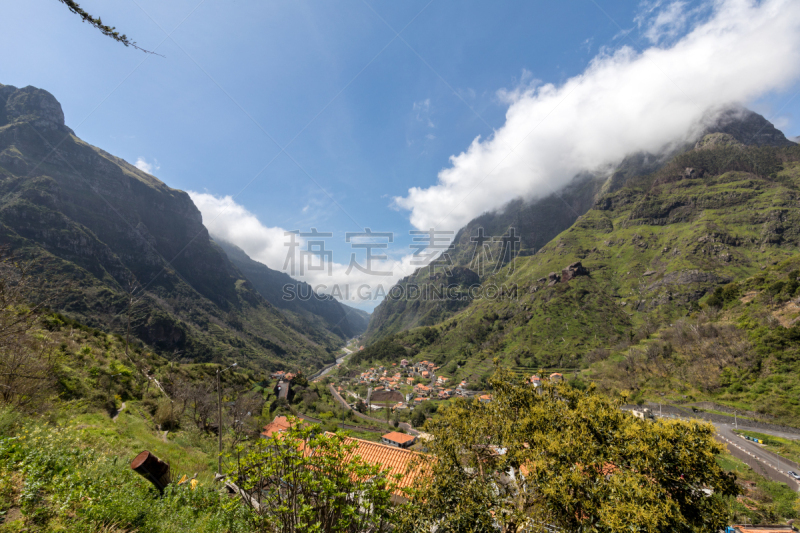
[56,480]
[763,501]
[188,451]
[790,449]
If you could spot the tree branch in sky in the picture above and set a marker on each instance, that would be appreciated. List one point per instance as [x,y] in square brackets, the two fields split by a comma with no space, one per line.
[108,31]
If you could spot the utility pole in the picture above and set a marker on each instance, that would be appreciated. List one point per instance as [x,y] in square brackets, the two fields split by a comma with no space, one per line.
[219,418]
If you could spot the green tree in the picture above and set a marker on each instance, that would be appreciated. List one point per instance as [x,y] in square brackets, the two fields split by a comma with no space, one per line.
[569,458]
[306,480]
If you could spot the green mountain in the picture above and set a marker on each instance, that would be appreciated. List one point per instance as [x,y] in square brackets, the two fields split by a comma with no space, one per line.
[306,309]
[645,257]
[535,223]
[97,226]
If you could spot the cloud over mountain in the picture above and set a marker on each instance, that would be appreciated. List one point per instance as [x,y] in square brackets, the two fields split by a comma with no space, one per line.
[625,101]
[229,221]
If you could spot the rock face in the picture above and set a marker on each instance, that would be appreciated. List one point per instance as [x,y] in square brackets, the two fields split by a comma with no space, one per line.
[552,279]
[537,222]
[749,128]
[573,271]
[322,309]
[29,104]
[92,220]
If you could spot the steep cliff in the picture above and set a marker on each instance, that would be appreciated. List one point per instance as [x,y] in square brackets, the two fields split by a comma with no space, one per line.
[102,226]
[537,222]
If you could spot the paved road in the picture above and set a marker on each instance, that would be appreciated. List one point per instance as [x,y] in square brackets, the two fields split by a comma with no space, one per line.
[339,361]
[764,462]
[341,401]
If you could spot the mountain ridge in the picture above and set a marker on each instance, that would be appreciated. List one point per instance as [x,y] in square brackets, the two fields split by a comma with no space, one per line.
[105,227]
[295,297]
[537,222]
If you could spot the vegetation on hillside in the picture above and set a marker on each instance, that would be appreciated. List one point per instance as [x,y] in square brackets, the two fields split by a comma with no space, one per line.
[690,293]
[133,251]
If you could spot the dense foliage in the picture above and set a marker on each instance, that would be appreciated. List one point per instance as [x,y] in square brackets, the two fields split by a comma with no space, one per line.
[306,480]
[568,458]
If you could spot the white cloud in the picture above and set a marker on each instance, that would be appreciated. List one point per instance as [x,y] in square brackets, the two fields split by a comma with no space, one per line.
[423,111]
[144,166]
[662,22]
[232,222]
[625,101]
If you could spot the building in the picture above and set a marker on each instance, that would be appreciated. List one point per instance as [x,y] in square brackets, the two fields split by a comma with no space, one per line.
[393,460]
[485,398]
[278,425]
[555,377]
[422,390]
[760,529]
[398,440]
[536,381]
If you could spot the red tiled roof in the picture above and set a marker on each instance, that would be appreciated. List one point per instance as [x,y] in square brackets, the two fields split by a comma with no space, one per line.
[279,425]
[409,465]
[400,438]
[764,529]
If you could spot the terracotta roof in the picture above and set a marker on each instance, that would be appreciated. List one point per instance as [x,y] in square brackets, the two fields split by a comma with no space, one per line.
[409,465]
[400,438]
[279,425]
[764,529]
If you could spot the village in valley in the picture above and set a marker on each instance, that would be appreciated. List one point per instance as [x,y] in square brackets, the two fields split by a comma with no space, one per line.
[384,403]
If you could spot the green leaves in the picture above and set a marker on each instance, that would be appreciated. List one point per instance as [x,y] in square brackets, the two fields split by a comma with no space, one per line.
[570,458]
[307,480]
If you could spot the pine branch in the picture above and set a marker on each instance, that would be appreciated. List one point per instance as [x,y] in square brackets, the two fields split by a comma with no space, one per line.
[108,31]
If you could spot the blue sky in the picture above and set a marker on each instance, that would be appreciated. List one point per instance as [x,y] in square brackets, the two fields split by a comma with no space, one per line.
[362,114]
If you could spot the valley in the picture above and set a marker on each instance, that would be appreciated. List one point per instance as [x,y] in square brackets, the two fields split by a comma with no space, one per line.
[669,288]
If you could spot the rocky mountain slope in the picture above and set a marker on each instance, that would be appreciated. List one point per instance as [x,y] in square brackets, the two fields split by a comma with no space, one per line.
[306,309]
[643,257]
[536,223]
[93,223]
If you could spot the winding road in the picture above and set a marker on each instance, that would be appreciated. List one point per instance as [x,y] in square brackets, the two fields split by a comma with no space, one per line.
[341,401]
[762,461]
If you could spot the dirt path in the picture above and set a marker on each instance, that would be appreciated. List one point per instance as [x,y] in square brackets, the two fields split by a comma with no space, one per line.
[121,408]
